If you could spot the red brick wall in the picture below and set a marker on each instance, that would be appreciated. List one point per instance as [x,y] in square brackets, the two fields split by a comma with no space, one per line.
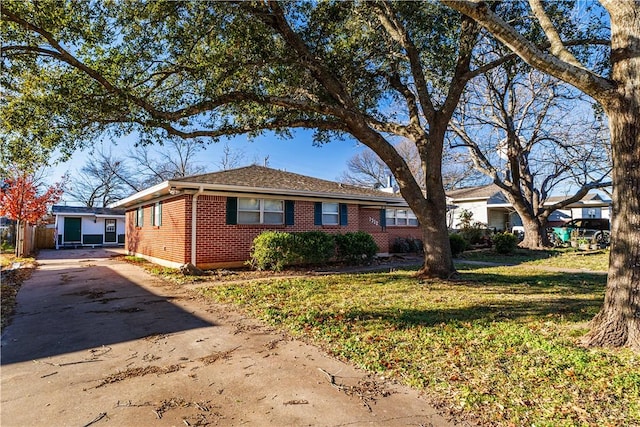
[370,223]
[219,244]
[393,232]
[169,241]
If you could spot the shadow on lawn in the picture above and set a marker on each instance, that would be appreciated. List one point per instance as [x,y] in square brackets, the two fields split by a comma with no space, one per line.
[496,297]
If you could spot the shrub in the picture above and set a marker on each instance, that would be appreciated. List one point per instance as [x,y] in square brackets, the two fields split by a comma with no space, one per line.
[272,250]
[400,246]
[355,248]
[505,243]
[403,245]
[314,247]
[458,244]
[415,245]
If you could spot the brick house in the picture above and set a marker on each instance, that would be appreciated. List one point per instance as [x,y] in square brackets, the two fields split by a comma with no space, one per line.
[210,220]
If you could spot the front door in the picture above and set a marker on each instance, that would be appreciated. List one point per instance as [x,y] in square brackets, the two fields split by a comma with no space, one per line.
[110,231]
[72,230]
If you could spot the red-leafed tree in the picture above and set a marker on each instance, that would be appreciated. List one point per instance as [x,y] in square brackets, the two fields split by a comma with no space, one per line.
[21,199]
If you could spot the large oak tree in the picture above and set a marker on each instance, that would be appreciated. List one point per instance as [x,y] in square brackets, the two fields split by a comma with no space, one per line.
[376,71]
[618,93]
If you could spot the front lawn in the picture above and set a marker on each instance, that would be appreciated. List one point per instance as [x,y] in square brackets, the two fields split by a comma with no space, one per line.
[499,345]
[569,258]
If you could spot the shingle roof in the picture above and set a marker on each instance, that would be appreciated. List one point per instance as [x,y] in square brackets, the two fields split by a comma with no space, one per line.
[478,192]
[80,210]
[267,178]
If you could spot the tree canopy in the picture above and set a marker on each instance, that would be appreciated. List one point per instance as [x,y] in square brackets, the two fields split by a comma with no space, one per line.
[22,200]
[377,71]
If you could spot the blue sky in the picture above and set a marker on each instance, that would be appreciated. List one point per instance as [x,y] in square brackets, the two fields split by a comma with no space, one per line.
[297,155]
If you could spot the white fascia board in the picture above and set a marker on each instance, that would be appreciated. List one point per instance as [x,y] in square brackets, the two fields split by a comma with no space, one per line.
[148,194]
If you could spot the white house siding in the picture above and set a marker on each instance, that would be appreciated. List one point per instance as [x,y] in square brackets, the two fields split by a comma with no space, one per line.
[498,219]
[90,225]
[478,208]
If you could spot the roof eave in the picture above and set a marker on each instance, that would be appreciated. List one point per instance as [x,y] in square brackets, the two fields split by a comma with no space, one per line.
[168,186]
[144,195]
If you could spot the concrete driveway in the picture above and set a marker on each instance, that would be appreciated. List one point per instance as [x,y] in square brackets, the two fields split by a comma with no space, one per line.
[100,342]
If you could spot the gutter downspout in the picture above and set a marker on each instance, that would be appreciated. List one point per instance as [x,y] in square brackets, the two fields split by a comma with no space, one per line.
[194,218]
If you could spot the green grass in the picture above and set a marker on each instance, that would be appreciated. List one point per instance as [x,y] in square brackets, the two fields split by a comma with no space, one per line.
[560,258]
[592,260]
[519,256]
[501,343]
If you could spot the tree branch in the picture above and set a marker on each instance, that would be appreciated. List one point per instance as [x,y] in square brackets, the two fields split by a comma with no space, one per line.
[556,46]
[585,80]
[398,33]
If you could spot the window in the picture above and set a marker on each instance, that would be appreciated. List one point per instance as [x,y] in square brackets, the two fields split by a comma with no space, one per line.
[156,215]
[330,214]
[401,217]
[139,217]
[260,211]
[109,225]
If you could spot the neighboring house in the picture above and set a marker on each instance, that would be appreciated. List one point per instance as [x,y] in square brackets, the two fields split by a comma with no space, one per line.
[211,220]
[81,226]
[490,206]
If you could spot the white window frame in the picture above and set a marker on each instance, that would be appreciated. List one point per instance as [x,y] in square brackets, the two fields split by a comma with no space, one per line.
[262,210]
[401,218]
[156,215]
[328,213]
[140,217]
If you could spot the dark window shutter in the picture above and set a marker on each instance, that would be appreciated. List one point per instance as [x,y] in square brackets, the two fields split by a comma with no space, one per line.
[289,212]
[232,210]
[343,214]
[317,213]
[383,218]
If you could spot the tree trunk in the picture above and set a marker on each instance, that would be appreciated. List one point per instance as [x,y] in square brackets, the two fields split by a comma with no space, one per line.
[535,233]
[535,227]
[438,261]
[618,322]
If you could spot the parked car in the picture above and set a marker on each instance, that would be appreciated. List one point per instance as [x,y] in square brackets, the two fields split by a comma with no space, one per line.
[518,231]
[597,230]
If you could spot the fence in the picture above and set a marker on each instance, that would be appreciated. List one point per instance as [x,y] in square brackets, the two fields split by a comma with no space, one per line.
[31,237]
[45,238]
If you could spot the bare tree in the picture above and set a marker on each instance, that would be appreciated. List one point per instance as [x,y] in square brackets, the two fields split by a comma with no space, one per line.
[366,169]
[231,157]
[177,158]
[618,93]
[523,130]
[103,180]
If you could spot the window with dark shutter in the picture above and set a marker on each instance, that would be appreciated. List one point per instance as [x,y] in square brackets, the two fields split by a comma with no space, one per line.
[232,210]
[289,212]
[317,213]
[343,214]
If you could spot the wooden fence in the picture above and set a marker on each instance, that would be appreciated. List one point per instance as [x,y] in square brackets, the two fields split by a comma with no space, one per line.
[45,238]
[31,237]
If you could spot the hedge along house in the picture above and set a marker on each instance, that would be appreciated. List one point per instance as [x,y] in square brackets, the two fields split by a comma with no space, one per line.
[81,226]
[211,220]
